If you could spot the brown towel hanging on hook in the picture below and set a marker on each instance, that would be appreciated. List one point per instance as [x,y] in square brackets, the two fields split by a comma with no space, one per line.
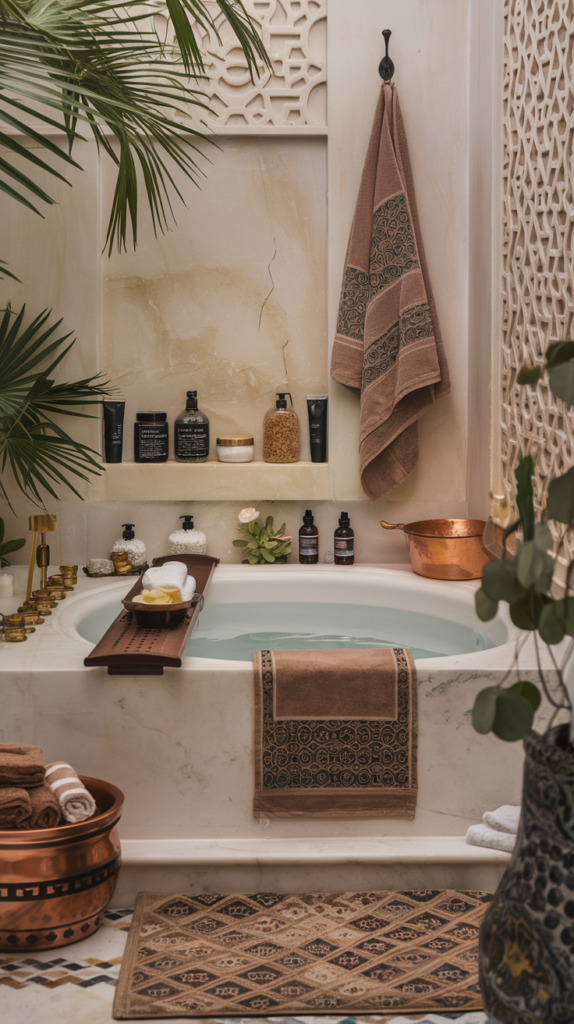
[388,343]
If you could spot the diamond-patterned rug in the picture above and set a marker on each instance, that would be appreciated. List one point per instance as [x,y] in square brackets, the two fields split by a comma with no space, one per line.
[207,955]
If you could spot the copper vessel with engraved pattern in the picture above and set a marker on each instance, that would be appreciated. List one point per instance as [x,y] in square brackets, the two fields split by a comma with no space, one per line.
[55,883]
[445,549]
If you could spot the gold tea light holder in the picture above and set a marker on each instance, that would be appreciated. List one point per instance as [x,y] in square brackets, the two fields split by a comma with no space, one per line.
[13,629]
[39,603]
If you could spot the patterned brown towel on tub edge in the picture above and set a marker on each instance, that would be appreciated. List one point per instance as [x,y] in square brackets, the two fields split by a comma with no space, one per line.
[388,343]
[335,734]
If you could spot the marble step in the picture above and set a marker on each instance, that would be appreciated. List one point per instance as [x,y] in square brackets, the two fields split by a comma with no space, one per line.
[305,865]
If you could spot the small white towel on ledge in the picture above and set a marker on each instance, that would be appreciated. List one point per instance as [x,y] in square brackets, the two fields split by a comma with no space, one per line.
[504,819]
[482,835]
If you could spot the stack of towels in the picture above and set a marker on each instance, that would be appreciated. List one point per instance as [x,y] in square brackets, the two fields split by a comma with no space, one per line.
[498,831]
[166,584]
[36,795]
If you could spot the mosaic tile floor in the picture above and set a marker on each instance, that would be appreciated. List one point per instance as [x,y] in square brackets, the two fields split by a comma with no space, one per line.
[77,983]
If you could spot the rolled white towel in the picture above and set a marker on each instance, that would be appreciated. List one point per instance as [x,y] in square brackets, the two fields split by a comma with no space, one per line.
[188,589]
[76,803]
[504,819]
[482,835]
[170,574]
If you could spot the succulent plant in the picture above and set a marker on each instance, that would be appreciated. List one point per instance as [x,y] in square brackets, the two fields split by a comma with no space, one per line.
[262,545]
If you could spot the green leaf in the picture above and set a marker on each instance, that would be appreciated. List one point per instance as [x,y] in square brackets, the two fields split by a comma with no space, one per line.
[526,612]
[529,691]
[484,709]
[561,380]
[253,560]
[12,545]
[534,566]
[551,625]
[529,375]
[513,718]
[240,543]
[560,505]
[1,529]
[486,608]
[499,581]
[559,352]
[269,524]
[568,614]
[267,555]
[524,495]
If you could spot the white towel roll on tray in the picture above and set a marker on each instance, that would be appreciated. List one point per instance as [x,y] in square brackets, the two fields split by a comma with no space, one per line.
[76,802]
[170,575]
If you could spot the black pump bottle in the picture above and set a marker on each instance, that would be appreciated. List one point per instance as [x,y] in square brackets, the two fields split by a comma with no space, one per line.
[191,438]
[344,541]
[308,540]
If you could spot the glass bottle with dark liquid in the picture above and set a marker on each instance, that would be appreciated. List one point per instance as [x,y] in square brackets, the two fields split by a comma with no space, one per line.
[308,540]
[344,541]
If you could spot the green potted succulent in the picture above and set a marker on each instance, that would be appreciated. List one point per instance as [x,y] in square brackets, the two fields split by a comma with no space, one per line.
[262,545]
[527,938]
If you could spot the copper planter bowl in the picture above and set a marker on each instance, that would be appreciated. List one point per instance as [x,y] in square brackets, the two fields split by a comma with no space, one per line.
[56,883]
[445,549]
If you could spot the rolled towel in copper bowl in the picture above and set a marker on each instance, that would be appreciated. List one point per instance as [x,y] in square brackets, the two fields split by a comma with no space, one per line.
[21,765]
[15,807]
[76,802]
[46,810]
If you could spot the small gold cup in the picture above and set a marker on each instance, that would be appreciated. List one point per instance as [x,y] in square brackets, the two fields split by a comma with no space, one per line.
[15,635]
[121,562]
[44,607]
[32,618]
[44,597]
[69,574]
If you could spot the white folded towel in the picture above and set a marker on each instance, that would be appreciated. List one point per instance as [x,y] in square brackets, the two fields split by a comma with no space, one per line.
[170,574]
[504,819]
[482,835]
[188,589]
[76,802]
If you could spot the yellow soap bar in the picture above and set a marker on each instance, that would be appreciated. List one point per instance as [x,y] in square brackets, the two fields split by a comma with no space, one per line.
[161,595]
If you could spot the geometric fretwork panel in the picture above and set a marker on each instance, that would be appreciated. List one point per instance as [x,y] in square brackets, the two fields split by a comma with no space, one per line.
[292,95]
[537,264]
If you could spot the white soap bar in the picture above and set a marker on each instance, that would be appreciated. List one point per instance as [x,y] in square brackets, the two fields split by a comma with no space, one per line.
[170,574]
[7,585]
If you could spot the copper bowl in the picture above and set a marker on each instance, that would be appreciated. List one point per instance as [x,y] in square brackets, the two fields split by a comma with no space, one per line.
[445,549]
[55,883]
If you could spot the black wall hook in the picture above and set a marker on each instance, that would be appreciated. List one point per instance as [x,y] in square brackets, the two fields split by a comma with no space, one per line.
[386,67]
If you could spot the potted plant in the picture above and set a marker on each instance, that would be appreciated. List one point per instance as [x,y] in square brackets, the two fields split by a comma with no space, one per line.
[262,544]
[527,938]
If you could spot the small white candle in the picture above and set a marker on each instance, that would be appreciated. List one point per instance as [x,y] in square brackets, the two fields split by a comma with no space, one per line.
[6,584]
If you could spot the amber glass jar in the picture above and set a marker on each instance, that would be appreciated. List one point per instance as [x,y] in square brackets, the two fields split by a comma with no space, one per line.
[281,432]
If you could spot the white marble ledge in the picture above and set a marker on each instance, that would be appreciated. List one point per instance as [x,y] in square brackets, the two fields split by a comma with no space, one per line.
[386,850]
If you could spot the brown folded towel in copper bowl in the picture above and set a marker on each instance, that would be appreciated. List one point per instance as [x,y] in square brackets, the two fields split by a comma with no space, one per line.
[15,807]
[21,765]
[46,810]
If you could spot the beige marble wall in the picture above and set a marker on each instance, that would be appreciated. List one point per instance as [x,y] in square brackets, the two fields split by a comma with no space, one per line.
[232,303]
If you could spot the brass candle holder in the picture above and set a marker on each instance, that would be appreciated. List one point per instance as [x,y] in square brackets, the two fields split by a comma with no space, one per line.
[14,629]
[121,562]
[69,574]
[57,583]
[40,524]
[44,596]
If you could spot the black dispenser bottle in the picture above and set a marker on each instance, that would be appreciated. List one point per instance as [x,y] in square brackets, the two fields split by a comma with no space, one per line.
[308,540]
[191,432]
[344,541]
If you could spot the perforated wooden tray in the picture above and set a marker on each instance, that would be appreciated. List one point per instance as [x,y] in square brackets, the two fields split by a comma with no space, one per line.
[129,649]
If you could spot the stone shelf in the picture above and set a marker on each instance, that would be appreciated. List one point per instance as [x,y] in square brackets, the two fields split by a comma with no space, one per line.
[215,481]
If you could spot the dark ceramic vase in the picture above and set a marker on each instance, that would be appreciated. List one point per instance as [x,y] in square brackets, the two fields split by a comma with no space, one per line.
[526,959]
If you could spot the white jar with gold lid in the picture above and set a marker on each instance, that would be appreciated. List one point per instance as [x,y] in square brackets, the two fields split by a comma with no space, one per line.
[235,449]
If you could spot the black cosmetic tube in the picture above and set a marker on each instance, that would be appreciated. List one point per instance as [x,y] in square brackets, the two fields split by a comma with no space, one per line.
[317,410]
[114,430]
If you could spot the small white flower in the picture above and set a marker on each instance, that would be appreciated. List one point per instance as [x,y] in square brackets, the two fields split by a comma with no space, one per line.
[248,515]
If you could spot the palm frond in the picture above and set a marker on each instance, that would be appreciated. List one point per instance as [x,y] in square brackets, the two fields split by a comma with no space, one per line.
[39,452]
[94,65]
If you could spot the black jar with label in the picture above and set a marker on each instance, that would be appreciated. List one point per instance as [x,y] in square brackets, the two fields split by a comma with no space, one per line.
[151,437]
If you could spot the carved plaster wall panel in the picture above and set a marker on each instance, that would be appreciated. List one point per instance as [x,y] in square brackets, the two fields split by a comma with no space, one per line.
[538,216]
[291,99]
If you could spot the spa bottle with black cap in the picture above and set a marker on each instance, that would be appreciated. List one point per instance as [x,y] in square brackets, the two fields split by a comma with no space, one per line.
[308,540]
[344,541]
[191,439]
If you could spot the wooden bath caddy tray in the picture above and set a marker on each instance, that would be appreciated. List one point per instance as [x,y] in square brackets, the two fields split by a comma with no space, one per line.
[129,649]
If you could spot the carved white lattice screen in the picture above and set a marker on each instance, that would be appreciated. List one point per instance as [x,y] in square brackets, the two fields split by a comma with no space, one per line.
[537,259]
[292,98]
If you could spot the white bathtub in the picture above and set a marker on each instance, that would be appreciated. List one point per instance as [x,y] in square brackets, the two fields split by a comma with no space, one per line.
[180,745]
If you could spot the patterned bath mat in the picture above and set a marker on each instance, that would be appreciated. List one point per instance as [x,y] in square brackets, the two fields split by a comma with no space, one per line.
[238,955]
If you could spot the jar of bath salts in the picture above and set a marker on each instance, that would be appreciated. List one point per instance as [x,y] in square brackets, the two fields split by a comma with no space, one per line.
[235,449]
[281,432]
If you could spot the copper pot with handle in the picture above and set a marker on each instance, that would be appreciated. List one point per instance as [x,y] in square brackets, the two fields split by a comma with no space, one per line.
[445,549]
